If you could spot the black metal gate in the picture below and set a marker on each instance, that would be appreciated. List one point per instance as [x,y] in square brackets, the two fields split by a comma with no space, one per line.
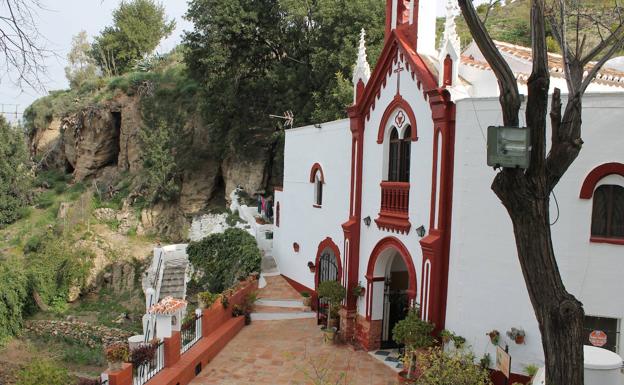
[396,306]
[327,271]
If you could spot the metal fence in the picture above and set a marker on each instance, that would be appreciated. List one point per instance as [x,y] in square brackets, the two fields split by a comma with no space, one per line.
[191,332]
[145,372]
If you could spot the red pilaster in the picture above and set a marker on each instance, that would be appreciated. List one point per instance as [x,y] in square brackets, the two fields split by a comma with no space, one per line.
[122,377]
[388,19]
[172,349]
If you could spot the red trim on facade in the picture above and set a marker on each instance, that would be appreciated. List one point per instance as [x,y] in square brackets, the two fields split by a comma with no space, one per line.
[278,188]
[316,167]
[613,241]
[388,19]
[592,179]
[327,243]
[397,102]
[448,71]
[394,213]
[298,286]
[317,206]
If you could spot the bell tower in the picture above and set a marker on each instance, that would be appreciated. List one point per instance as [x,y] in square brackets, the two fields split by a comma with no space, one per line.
[418,18]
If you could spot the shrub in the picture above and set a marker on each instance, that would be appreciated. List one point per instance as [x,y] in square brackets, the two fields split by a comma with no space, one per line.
[207,298]
[13,286]
[45,372]
[457,368]
[219,259]
[415,334]
[117,352]
[143,354]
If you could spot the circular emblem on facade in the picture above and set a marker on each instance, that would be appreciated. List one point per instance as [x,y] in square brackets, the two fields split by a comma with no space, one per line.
[399,119]
[598,338]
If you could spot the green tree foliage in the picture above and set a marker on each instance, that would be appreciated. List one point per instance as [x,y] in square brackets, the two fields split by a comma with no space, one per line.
[54,267]
[41,372]
[265,57]
[12,297]
[81,66]
[139,26]
[220,259]
[161,177]
[15,178]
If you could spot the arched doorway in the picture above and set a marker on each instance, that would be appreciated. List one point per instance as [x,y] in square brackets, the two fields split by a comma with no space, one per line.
[328,268]
[396,301]
[391,290]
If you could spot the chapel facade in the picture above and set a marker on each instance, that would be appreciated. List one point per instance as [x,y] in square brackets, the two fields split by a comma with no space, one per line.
[397,197]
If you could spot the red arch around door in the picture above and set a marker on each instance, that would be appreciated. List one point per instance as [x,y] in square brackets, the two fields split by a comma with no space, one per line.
[383,245]
[327,243]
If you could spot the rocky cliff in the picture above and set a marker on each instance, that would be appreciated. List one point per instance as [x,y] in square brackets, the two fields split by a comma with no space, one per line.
[101,142]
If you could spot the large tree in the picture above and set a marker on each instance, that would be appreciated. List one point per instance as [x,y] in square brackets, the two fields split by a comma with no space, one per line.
[139,26]
[81,66]
[526,193]
[265,57]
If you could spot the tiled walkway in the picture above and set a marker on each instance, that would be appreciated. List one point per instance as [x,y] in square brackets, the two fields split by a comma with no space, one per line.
[290,352]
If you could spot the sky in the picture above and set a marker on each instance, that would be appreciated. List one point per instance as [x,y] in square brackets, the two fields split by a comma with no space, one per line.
[62,19]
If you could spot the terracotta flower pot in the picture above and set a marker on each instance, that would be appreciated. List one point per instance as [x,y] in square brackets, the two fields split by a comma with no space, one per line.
[519,340]
[329,334]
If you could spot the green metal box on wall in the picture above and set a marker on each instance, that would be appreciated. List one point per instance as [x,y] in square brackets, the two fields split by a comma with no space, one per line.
[509,147]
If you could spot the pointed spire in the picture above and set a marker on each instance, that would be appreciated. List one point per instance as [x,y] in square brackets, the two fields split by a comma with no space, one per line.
[450,47]
[450,28]
[362,69]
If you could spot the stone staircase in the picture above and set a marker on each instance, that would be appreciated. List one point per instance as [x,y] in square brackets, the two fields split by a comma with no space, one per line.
[174,279]
[279,301]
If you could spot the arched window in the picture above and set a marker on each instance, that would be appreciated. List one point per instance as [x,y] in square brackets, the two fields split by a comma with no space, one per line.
[318,189]
[399,162]
[608,212]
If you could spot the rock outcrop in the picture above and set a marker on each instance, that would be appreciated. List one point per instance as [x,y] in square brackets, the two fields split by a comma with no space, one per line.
[102,142]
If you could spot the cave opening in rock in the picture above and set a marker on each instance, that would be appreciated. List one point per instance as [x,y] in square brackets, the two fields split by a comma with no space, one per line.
[69,169]
[114,159]
[217,196]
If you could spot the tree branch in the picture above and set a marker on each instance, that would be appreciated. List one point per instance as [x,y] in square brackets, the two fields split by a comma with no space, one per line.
[509,94]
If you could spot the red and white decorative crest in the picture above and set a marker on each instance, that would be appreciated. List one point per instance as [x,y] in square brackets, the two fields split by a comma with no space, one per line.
[399,119]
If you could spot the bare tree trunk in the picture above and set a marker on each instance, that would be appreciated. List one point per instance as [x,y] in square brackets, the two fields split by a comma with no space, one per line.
[526,196]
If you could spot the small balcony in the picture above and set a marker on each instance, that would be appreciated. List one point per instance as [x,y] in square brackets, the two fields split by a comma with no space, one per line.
[394,212]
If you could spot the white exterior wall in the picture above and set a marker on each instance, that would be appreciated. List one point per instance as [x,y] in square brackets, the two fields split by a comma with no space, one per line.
[300,222]
[375,171]
[486,287]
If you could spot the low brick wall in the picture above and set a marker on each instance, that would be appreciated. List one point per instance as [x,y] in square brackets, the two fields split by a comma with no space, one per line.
[218,328]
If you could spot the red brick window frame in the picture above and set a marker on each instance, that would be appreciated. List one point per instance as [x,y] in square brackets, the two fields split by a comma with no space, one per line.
[317,177]
[608,204]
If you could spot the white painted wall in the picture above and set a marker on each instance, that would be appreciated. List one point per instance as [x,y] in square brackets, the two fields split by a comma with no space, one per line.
[486,288]
[300,222]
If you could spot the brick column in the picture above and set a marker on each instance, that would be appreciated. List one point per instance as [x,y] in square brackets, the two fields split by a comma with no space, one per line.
[172,349]
[347,324]
[122,377]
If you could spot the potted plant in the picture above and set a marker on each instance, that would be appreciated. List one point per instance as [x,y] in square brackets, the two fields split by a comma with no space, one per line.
[458,341]
[358,290]
[516,335]
[143,354]
[531,370]
[247,306]
[116,354]
[311,267]
[486,361]
[334,293]
[494,337]
[415,335]
[205,299]
[307,299]
[446,336]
